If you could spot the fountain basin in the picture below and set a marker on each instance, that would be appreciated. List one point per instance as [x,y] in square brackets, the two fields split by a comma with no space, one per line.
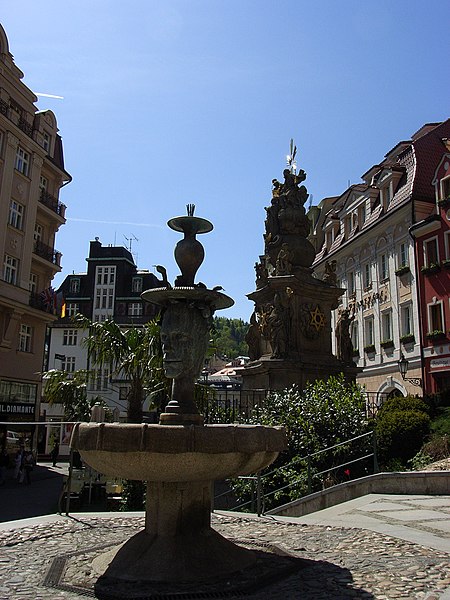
[175,452]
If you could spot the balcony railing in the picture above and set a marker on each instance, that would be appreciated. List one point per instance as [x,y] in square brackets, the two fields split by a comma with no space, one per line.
[36,301]
[25,126]
[47,252]
[52,203]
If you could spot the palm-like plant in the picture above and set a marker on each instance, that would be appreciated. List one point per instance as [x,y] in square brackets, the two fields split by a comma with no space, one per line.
[68,389]
[135,353]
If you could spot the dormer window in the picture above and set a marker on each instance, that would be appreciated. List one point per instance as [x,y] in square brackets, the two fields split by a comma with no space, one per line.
[75,285]
[445,189]
[46,141]
[386,196]
[362,214]
[136,284]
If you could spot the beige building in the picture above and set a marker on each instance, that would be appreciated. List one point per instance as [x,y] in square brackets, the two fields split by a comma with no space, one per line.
[362,237]
[31,176]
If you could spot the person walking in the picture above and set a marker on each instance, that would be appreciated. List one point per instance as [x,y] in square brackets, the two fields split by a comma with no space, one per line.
[18,473]
[54,453]
[27,465]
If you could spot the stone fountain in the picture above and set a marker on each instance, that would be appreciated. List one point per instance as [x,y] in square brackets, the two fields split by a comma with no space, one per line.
[181,457]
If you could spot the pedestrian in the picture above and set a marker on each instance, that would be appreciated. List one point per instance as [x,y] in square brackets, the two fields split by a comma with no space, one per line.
[18,473]
[4,462]
[54,453]
[27,465]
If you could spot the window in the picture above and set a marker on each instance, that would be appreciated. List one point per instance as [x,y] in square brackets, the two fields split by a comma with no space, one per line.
[406,319]
[33,283]
[403,255]
[354,335]
[100,380]
[123,393]
[445,188]
[430,250]
[386,196]
[447,244]
[43,183]
[362,214]
[367,277]
[70,337]
[16,214]
[106,275]
[38,232]
[22,161]
[351,282]
[386,325]
[74,285]
[68,364]
[72,309]
[25,335]
[135,309]
[136,284]
[46,139]
[369,332]
[383,267]
[435,316]
[10,269]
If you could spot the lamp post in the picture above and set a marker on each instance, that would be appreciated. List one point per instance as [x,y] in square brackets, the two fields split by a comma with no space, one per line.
[403,368]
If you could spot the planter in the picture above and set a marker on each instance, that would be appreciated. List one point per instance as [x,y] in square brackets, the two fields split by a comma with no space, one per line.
[444,203]
[446,263]
[430,269]
[387,344]
[408,339]
[436,335]
[370,349]
[402,270]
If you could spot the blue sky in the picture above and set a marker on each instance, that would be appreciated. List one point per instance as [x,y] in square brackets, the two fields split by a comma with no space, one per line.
[194,101]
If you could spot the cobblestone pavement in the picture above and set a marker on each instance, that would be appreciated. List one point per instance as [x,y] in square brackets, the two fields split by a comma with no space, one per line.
[337,562]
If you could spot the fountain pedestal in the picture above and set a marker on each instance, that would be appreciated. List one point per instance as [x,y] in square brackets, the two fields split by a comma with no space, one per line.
[179,464]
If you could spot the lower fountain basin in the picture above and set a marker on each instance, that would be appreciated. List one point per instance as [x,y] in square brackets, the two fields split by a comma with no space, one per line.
[177,453]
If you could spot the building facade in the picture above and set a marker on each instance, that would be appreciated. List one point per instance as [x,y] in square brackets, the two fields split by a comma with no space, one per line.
[363,238]
[32,175]
[432,244]
[110,289]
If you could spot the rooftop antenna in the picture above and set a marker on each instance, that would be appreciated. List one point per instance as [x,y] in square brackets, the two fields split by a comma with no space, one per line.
[290,158]
[130,242]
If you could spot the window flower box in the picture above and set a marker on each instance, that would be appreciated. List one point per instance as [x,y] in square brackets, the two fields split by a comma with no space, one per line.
[370,349]
[408,338]
[436,335]
[387,344]
[402,270]
[446,263]
[444,202]
[355,352]
[430,269]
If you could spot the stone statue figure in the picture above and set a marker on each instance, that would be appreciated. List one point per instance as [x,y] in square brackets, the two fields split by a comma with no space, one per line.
[253,338]
[344,346]
[330,273]
[184,339]
[278,322]
[283,265]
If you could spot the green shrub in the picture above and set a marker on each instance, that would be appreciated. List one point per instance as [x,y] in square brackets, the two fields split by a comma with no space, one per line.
[404,403]
[401,433]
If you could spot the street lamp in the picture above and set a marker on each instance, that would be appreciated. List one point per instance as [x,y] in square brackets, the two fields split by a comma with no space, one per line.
[403,368]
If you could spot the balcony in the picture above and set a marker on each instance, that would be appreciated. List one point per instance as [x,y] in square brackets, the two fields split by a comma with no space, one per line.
[47,253]
[25,126]
[52,203]
[36,301]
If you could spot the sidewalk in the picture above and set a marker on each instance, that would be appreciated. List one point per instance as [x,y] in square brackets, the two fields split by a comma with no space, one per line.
[20,501]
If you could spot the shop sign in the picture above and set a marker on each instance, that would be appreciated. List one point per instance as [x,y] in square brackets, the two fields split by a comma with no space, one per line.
[13,409]
[437,363]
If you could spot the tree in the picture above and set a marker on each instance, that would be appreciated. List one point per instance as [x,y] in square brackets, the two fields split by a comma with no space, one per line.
[68,389]
[229,337]
[135,353]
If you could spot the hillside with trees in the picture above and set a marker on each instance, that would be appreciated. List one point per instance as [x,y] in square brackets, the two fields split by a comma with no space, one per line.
[228,337]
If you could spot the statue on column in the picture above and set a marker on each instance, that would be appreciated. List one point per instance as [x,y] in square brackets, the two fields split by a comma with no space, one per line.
[344,346]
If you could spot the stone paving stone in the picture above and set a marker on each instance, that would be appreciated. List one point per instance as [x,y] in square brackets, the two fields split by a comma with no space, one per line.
[340,563]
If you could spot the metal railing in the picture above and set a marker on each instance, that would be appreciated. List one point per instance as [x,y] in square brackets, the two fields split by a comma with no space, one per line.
[258,497]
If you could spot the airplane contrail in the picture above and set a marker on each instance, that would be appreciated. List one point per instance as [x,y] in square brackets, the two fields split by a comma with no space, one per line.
[49,96]
[115,222]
